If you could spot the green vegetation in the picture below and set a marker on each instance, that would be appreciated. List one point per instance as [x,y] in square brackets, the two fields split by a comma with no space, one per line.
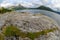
[11,31]
[4,10]
[1,37]
[37,34]
[14,31]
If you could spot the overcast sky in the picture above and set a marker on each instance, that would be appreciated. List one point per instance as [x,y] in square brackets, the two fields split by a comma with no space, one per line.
[31,3]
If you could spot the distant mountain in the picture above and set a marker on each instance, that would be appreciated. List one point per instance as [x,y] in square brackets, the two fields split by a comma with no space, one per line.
[47,8]
[11,8]
[18,7]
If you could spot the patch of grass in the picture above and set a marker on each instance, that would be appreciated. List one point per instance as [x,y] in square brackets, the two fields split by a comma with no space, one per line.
[11,31]
[37,34]
[1,37]
[14,31]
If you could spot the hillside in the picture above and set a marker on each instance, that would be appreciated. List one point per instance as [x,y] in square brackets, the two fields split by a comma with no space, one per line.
[47,9]
[18,7]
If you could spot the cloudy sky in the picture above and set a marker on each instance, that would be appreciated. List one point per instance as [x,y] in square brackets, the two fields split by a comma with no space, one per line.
[31,3]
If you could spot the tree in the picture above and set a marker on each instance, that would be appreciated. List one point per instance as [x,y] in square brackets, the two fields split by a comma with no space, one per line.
[4,10]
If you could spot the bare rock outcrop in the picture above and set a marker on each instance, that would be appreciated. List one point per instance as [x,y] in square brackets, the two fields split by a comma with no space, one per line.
[27,22]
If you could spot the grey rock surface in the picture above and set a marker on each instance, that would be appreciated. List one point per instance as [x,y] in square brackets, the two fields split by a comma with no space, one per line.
[28,22]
